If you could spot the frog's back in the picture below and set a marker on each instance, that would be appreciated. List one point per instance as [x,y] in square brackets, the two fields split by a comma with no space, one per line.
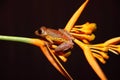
[57,34]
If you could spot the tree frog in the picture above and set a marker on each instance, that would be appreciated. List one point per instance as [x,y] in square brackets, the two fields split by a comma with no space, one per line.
[59,37]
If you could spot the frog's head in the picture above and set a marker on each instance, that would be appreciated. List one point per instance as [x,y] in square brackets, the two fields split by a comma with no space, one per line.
[41,32]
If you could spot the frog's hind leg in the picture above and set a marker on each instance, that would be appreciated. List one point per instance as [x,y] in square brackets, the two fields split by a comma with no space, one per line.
[64,46]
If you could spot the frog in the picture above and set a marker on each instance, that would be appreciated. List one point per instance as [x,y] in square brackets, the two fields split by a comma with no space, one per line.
[60,37]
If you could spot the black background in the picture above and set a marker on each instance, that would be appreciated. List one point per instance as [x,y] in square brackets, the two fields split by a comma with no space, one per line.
[20,61]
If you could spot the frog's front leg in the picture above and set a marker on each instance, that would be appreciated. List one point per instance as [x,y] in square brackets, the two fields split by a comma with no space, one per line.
[49,38]
[64,46]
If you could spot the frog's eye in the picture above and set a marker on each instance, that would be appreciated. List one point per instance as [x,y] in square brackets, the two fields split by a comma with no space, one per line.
[41,32]
[38,32]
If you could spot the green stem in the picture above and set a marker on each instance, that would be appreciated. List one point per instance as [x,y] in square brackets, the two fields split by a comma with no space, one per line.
[16,39]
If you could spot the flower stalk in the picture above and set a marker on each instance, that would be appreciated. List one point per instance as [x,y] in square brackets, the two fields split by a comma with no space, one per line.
[16,39]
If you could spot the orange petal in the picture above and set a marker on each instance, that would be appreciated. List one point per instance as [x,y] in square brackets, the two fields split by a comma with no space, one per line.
[75,16]
[91,60]
[51,57]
